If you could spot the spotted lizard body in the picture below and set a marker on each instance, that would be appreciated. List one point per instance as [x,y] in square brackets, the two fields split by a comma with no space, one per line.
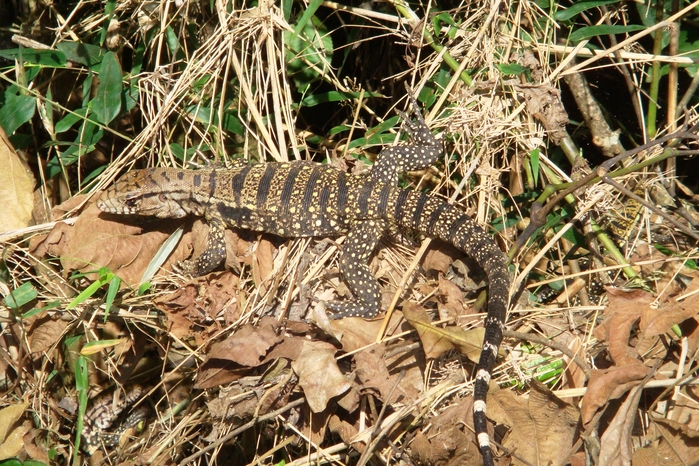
[303,199]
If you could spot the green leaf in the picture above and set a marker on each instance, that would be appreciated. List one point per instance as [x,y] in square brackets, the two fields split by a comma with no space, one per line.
[161,256]
[173,43]
[21,295]
[108,14]
[534,157]
[39,310]
[307,15]
[107,102]
[512,69]
[104,277]
[334,96]
[85,54]
[67,122]
[17,110]
[579,7]
[114,285]
[81,385]
[602,30]
[47,58]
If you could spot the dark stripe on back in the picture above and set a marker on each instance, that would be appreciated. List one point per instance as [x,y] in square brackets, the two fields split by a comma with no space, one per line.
[383,198]
[238,182]
[212,183]
[342,193]
[263,187]
[419,207]
[401,201]
[363,199]
[311,187]
[196,180]
[288,188]
[434,217]
[454,229]
[323,200]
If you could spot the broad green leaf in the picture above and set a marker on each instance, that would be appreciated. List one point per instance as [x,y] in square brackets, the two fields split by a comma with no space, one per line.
[173,43]
[86,54]
[18,109]
[602,30]
[21,295]
[579,7]
[67,122]
[107,102]
[48,58]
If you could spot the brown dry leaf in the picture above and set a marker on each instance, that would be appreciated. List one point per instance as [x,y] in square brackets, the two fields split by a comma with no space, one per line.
[615,443]
[197,304]
[12,433]
[672,446]
[97,240]
[345,431]
[319,375]
[355,333]
[263,262]
[542,428]
[16,188]
[439,257]
[436,340]
[248,345]
[372,371]
[9,417]
[451,300]
[686,409]
[657,320]
[609,384]
[573,375]
[450,439]
[623,311]
[45,332]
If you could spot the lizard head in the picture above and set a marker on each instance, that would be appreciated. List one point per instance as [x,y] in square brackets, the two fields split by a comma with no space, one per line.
[145,192]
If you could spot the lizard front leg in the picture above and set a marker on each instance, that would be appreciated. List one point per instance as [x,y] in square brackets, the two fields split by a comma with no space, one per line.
[214,253]
[359,245]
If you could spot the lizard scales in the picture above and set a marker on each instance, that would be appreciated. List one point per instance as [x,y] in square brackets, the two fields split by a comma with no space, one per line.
[302,199]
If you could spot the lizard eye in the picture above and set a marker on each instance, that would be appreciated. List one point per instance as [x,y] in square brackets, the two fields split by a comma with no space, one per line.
[162,198]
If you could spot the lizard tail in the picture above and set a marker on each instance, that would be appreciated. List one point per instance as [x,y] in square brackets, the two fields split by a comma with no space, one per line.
[433,217]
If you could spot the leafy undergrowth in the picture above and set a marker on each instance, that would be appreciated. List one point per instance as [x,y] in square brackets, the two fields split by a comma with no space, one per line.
[242,366]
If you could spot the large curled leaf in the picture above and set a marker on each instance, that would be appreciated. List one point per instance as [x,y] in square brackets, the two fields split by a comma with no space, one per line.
[18,109]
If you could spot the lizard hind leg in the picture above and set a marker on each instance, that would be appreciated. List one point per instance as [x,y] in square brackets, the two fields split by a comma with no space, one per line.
[358,246]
